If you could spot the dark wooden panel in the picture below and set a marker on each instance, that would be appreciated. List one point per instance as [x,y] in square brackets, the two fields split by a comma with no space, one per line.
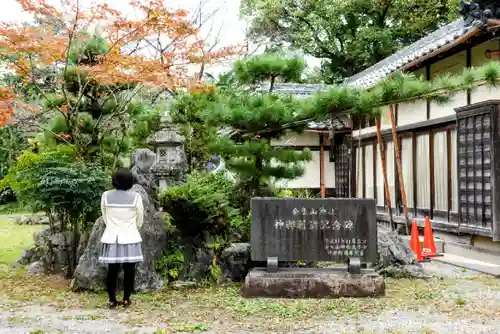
[342,169]
[314,229]
[474,166]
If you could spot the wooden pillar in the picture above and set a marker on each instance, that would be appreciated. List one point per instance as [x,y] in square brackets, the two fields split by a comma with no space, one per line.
[399,167]
[322,166]
[384,172]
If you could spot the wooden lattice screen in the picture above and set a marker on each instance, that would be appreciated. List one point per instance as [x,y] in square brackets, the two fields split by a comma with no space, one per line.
[476,167]
[342,168]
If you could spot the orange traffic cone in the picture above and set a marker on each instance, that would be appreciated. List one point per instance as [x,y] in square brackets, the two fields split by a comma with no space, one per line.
[415,241]
[429,249]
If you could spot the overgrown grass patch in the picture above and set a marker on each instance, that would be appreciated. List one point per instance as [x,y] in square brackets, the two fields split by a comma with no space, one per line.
[15,239]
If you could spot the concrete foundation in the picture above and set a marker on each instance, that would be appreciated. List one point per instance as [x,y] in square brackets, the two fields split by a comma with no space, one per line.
[438,242]
[312,283]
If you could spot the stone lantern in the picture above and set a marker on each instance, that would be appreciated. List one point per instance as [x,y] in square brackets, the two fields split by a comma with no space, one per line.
[171,163]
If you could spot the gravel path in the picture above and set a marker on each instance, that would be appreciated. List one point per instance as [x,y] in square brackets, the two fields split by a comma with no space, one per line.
[467,291]
[477,310]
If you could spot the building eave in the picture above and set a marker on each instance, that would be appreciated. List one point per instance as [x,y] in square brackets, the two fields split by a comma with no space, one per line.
[437,42]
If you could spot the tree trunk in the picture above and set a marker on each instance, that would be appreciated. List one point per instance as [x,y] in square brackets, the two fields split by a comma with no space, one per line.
[384,172]
[397,150]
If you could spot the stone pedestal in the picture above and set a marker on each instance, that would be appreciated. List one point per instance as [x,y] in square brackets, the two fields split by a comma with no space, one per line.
[313,283]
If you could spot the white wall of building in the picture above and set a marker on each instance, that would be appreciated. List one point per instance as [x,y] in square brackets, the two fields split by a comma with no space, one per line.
[311,177]
[411,113]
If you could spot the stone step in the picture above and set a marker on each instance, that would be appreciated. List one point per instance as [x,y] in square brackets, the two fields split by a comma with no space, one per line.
[472,252]
[439,242]
[464,262]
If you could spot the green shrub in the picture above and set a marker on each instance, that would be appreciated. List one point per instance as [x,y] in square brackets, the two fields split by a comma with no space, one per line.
[58,183]
[171,264]
[295,193]
[201,205]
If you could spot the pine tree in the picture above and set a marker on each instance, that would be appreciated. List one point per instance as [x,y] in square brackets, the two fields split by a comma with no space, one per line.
[101,120]
[256,118]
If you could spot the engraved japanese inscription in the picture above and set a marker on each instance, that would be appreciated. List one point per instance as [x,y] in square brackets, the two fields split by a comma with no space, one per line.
[314,229]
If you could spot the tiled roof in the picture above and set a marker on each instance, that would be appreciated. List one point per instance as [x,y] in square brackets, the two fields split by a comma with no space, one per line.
[305,91]
[299,90]
[430,43]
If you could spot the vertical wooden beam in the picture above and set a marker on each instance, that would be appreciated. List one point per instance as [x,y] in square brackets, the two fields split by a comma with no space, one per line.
[431,171]
[396,113]
[363,170]
[375,170]
[352,173]
[468,63]
[397,151]
[415,165]
[474,170]
[494,167]
[322,166]
[449,165]
[384,172]
[428,77]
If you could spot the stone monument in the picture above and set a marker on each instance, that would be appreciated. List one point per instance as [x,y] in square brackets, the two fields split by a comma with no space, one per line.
[336,230]
[171,163]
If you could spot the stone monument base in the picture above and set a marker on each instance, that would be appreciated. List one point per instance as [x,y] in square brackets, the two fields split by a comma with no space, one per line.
[313,283]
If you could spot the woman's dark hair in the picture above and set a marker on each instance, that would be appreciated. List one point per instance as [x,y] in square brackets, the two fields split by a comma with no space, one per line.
[122,179]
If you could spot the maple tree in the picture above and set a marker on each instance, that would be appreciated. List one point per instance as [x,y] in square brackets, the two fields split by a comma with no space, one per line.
[6,104]
[102,60]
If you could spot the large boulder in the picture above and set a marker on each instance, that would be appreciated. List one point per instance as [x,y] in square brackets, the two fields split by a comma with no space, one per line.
[90,274]
[143,161]
[235,262]
[396,259]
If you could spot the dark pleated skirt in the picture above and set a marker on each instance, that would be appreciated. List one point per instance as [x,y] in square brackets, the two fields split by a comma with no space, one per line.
[118,253]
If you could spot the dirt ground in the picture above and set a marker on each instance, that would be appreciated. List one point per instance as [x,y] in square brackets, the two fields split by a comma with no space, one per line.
[455,301]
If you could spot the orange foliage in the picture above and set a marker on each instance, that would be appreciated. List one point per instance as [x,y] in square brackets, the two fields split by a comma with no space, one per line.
[6,105]
[168,33]
[153,48]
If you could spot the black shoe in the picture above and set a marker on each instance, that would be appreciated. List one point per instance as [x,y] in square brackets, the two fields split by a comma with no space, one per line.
[112,305]
[126,303]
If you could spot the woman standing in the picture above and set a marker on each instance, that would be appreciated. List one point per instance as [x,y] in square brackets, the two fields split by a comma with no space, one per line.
[122,211]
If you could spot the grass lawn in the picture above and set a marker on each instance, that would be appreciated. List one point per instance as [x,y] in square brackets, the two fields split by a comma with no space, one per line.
[14,239]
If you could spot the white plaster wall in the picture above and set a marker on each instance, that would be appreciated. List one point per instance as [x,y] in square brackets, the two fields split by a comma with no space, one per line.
[379,179]
[420,72]
[296,139]
[438,111]
[391,175]
[484,93]
[409,113]
[453,65]
[310,178]
[407,166]
[454,170]
[441,170]
[450,65]
[385,119]
[368,130]
[478,56]
[358,174]
[329,171]
[370,190]
[423,172]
